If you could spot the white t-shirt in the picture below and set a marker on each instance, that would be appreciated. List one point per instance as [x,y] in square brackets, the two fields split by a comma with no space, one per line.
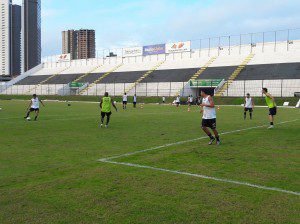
[35,103]
[134,99]
[191,99]
[125,98]
[208,112]
[248,102]
[177,99]
[163,98]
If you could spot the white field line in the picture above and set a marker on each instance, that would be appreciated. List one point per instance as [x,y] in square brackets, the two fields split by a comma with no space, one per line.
[205,177]
[109,160]
[186,141]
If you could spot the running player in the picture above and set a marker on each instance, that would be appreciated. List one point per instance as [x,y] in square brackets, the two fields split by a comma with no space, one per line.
[124,101]
[34,105]
[105,105]
[209,117]
[248,106]
[134,101]
[270,100]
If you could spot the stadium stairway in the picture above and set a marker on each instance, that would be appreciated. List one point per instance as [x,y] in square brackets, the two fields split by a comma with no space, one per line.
[143,77]
[99,79]
[86,74]
[47,79]
[234,75]
[200,71]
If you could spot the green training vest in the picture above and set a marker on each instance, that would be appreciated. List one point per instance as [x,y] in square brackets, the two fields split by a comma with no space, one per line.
[269,102]
[106,104]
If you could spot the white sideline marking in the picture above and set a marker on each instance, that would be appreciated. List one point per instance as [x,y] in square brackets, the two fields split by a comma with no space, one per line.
[186,141]
[109,160]
[205,177]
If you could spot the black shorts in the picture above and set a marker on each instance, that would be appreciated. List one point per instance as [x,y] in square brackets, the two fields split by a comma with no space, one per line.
[209,123]
[134,103]
[125,102]
[103,114]
[273,111]
[248,109]
[34,109]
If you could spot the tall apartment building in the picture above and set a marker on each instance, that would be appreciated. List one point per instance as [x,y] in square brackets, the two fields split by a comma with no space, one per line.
[86,44]
[79,43]
[31,34]
[69,43]
[10,39]
[16,40]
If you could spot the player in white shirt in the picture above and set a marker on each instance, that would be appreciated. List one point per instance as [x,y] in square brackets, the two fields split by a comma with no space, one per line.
[177,101]
[134,100]
[209,117]
[248,106]
[163,99]
[34,105]
[190,100]
[124,101]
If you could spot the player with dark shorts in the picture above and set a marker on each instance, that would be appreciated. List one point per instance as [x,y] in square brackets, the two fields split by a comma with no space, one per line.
[124,101]
[209,118]
[248,106]
[34,106]
[270,100]
[105,105]
[134,101]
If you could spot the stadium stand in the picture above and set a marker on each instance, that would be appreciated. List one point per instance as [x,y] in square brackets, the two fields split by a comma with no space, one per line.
[171,75]
[100,79]
[33,80]
[235,74]
[144,76]
[271,71]
[276,64]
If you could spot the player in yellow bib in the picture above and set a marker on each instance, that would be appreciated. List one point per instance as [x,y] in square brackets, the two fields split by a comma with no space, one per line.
[105,105]
[272,106]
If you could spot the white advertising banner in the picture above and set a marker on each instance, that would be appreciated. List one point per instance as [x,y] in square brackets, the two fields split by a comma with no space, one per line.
[63,57]
[132,51]
[178,47]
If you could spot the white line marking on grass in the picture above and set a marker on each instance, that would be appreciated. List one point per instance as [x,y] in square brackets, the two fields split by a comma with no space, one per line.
[205,177]
[187,141]
[109,160]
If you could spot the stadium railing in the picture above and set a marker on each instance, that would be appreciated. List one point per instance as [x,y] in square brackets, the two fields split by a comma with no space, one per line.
[279,88]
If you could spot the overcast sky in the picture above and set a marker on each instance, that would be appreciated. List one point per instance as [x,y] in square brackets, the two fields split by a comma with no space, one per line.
[120,23]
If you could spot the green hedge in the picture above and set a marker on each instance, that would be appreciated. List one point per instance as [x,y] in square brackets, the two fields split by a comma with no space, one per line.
[218,100]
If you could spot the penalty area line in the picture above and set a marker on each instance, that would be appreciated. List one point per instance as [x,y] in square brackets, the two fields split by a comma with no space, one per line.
[204,177]
[187,141]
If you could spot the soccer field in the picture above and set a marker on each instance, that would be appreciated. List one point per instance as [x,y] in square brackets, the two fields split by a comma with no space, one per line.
[152,165]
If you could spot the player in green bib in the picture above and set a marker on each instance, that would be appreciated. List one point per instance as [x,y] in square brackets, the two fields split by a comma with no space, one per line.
[272,106]
[105,105]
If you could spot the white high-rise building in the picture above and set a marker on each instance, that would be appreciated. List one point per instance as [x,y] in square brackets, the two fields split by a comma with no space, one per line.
[10,38]
[5,37]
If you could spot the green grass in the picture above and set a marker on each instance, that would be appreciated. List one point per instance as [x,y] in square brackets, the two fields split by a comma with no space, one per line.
[49,171]
[218,100]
